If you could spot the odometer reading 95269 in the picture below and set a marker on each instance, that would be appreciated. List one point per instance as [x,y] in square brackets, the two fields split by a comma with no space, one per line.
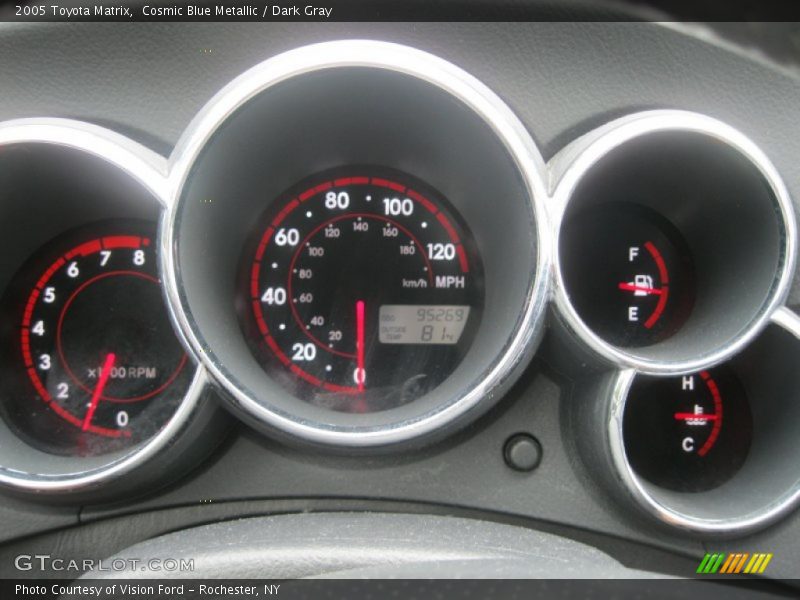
[363,290]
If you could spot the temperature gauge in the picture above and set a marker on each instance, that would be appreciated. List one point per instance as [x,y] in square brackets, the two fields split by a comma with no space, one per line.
[689,433]
[628,273]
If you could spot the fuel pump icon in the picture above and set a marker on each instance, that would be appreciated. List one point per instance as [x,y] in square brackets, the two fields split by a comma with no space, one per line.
[644,283]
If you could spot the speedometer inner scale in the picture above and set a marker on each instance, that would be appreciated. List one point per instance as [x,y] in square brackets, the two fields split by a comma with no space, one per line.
[363,290]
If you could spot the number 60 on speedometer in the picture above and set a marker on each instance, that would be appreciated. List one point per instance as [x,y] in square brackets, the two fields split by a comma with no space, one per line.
[362,290]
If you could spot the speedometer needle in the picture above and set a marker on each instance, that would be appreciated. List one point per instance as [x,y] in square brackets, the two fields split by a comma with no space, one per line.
[360,373]
[98,391]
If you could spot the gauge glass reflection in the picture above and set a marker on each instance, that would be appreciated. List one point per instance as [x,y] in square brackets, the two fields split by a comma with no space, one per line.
[363,290]
[689,433]
[92,362]
[628,273]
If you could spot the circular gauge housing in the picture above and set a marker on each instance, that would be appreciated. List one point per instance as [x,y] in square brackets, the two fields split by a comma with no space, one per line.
[364,271]
[714,451]
[98,400]
[689,433]
[675,242]
[94,362]
[361,293]
[629,273]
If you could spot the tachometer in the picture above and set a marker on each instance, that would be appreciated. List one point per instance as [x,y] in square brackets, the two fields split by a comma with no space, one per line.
[363,290]
[97,365]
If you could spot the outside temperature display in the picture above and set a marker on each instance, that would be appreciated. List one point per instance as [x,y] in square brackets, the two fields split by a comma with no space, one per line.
[409,324]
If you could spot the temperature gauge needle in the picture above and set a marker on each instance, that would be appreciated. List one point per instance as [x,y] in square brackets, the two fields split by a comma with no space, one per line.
[628,287]
[360,344]
[98,391]
[695,417]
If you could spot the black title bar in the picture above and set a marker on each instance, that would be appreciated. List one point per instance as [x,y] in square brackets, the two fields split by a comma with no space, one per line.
[396,10]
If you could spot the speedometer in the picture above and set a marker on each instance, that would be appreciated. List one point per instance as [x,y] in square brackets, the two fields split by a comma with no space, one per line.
[338,285]
[363,290]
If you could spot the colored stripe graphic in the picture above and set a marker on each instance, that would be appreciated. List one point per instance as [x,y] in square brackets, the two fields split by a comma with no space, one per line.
[767,558]
[711,563]
[727,566]
[734,563]
[740,566]
[703,563]
[738,563]
[754,563]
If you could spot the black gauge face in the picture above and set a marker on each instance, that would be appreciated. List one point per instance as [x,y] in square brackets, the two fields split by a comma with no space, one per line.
[687,434]
[95,362]
[362,290]
[628,273]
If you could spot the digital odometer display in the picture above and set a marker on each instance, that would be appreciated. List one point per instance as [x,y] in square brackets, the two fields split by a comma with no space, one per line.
[363,290]
[416,324]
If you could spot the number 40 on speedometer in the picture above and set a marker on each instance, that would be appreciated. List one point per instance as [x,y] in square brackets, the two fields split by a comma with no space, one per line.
[363,290]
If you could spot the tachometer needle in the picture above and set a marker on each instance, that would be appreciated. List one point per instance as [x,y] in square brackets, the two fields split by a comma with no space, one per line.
[628,287]
[98,391]
[360,373]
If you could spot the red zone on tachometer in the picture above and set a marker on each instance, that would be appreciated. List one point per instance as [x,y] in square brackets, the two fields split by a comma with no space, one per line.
[86,249]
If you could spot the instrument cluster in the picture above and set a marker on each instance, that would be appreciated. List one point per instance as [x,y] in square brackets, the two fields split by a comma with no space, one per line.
[375,271]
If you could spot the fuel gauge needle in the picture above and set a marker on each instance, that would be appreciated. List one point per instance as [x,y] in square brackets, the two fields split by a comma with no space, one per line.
[360,373]
[98,391]
[629,287]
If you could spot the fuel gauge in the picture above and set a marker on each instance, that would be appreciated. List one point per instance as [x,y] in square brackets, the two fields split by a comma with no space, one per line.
[628,273]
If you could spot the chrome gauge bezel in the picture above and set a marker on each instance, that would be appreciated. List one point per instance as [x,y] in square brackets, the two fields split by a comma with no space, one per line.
[548,188]
[148,170]
[599,405]
[464,88]
[578,159]
[660,507]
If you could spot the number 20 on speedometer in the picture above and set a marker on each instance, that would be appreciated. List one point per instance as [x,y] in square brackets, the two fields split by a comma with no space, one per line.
[362,290]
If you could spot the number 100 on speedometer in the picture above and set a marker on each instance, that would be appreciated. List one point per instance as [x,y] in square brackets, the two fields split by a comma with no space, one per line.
[361,290]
